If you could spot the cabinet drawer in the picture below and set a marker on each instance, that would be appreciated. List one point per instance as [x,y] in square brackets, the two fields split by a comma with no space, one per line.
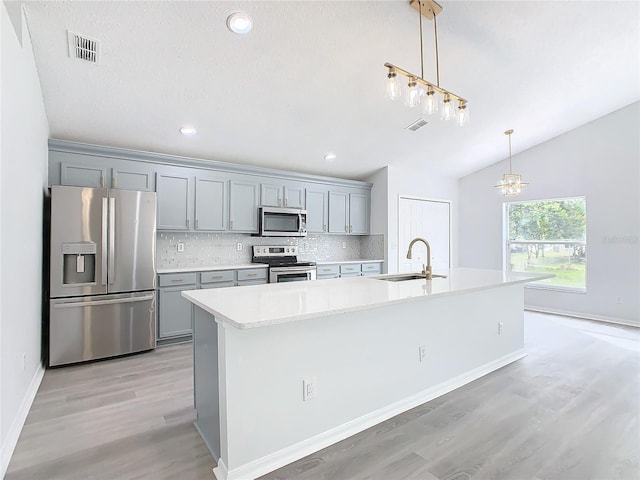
[173,279]
[350,268]
[371,268]
[218,276]
[218,285]
[252,274]
[328,270]
[244,283]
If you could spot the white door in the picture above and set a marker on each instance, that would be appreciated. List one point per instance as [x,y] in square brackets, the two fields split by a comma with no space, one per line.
[428,219]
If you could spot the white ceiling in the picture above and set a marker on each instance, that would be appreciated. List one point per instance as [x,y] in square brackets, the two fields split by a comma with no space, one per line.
[309,79]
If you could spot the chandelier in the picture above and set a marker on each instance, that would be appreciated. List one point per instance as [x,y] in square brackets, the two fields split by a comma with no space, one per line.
[511,183]
[421,91]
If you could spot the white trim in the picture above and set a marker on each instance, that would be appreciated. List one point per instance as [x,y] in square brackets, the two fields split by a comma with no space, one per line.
[306,447]
[586,316]
[11,440]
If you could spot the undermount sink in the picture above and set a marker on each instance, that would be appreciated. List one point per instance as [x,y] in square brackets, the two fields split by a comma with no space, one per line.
[407,276]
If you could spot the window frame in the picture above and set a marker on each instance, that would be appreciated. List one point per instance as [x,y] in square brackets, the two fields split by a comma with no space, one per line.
[507,242]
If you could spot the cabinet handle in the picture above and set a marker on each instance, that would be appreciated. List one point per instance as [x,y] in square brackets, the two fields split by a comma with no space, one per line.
[176,280]
[324,228]
[350,229]
[346,229]
[326,269]
[187,223]
[102,180]
[286,201]
[113,181]
[230,224]
[217,277]
[196,223]
[251,274]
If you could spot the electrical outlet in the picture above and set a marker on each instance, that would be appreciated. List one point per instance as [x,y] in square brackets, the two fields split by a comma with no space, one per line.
[344,244]
[500,326]
[422,352]
[308,388]
[239,246]
[619,300]
[180,247]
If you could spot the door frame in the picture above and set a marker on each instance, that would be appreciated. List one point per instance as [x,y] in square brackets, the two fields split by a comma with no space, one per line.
[424,199]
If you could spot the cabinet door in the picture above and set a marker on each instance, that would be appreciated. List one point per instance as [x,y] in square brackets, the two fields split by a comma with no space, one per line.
[211,204]
[174,313]
[271,195]
[132,177]
[338,212]
[358,214]
[317,211]
[294,196]
[243,206]
[83,175]
[174,201]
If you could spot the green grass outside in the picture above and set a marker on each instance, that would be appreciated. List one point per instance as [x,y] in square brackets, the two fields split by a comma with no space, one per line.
[567,273]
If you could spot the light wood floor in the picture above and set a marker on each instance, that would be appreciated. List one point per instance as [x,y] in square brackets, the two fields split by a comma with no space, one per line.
[568,411]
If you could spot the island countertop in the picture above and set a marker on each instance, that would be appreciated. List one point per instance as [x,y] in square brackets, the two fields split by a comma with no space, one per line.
[276,303]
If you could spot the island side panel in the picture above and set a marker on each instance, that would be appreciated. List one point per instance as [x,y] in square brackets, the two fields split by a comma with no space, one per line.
[205,370]
[365,364]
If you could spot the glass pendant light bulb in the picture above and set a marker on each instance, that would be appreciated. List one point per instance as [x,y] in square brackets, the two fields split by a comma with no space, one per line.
[463,114]
[413,98]
[447,108]
[394,89]
[431,102]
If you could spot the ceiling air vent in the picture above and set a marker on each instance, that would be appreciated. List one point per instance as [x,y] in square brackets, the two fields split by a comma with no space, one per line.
[417,125]
[82,48]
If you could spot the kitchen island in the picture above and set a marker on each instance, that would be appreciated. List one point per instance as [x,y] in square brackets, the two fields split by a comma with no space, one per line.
[283,370]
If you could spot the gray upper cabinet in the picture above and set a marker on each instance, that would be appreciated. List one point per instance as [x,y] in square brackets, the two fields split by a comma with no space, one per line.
[132,177]
[175,201]
[349,213]
[243,206]
[282,195]
[83,175]
[358,213]
[211,203]
[317,210]
[338,212]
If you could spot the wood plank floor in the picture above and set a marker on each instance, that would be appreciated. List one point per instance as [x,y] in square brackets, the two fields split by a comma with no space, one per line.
[568,411]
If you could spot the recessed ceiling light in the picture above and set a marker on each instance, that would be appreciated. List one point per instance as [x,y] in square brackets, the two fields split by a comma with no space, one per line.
[330,157]
[188,130]
[239,23]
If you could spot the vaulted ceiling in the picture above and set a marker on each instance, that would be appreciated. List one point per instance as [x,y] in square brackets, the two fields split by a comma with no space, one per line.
[309,79]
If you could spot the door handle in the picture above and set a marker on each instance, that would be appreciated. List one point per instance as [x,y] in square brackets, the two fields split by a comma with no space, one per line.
[110,301]
[104,247]
[112,240]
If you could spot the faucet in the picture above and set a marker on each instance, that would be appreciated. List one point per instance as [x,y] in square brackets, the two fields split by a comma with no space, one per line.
[426,271]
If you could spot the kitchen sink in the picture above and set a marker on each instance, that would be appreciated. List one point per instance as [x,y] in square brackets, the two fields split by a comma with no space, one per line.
[407,276]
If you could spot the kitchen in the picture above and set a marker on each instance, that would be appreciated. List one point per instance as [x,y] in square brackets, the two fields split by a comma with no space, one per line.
[599,159]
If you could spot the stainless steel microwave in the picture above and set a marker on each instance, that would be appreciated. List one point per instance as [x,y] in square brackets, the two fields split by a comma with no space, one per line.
[282,222]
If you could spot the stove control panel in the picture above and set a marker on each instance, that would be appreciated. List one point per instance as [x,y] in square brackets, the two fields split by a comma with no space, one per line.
[276,251]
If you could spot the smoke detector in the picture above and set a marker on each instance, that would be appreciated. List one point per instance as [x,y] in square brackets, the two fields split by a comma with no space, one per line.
[82,47]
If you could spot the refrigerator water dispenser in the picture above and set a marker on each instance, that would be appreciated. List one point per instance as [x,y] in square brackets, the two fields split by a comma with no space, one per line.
[79,263]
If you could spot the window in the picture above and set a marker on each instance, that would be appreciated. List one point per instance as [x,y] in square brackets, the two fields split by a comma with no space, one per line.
[549,236]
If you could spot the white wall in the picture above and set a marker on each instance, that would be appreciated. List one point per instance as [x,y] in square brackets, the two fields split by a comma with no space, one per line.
[23,177]
[380,208]
[600,160]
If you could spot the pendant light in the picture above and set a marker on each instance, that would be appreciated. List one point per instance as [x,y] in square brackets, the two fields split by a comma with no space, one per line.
[511,183]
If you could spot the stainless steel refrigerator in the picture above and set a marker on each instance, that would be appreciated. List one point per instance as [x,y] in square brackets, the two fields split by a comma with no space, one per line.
[102,273]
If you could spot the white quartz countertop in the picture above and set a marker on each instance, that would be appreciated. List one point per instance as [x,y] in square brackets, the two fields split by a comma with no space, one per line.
[275,303]
[211,268]
[347,261]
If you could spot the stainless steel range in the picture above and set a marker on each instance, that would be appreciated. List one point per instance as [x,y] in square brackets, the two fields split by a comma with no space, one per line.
[283,263]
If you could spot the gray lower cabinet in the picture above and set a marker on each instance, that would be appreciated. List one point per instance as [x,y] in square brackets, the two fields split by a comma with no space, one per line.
[343,270]
[327,271]
[174,311]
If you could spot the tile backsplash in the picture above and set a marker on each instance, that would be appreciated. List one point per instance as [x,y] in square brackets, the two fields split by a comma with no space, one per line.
[203,249]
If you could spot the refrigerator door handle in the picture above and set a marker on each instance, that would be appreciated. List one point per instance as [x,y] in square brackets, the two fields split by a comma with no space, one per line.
[112,240]
[103,250]
[103,302]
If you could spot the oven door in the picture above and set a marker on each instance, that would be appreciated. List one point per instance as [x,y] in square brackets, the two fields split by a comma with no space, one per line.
[291,274]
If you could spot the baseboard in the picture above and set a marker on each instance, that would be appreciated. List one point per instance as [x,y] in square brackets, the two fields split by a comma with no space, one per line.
[568,313]
[15,429]
[299,450]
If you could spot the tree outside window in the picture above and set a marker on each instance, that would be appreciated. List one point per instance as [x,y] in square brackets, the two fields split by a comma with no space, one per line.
[549,236]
